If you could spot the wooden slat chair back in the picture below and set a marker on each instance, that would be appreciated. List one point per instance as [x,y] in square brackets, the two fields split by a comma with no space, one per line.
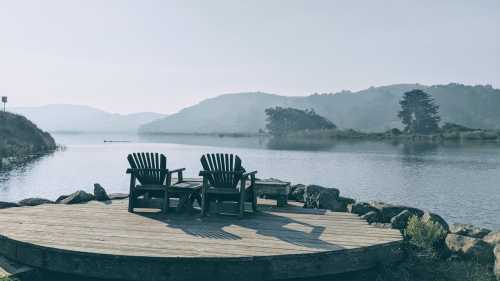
[150,171]
[222,163]
[225,179]
[143,161]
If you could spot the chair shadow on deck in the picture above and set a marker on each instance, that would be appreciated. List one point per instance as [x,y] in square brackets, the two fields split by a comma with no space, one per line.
[263,223]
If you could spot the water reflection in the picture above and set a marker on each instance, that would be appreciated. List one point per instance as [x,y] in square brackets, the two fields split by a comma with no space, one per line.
[299,144]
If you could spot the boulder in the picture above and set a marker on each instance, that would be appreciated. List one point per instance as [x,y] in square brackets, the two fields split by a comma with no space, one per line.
[469,247]
[346,201]
[371,217]
[388,211]
[401,220]
[497,261]
[35,201]
[360,208]
[5,205]
[469,230]
[382,225]
[493,238]
[61,198]
[117,196]
[297,192]
[435,218]
[100,193]
[79,196]
[317,196]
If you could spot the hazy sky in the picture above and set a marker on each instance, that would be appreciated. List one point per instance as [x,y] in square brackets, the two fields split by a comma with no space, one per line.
[127,56]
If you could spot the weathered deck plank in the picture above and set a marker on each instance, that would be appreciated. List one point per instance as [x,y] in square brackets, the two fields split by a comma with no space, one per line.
[104,240]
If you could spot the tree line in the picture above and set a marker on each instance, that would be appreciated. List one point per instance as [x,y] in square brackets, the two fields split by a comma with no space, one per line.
[419,114]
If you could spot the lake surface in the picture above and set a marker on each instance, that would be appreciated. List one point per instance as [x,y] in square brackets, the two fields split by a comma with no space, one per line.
[460,182]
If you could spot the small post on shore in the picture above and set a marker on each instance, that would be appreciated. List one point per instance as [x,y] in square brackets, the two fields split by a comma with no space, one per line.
[4,101]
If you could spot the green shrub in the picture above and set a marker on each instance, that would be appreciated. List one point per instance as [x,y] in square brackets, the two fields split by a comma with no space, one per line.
[426,235]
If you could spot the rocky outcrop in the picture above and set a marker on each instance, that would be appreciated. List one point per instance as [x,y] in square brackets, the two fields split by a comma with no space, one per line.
[297,192]
[5,205]
[493,238]
[469,247]
[388,211]
[401,220]
[371,217]
[61,198]
[469,230]
[79,196]
[321,197]
[100,193]
[360,208]
[35,201]
[435,218]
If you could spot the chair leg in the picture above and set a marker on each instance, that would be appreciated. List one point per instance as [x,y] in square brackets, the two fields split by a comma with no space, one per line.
[166,203]
[131,197]
[254,201]
[242,202]
[204,205]
[131,203]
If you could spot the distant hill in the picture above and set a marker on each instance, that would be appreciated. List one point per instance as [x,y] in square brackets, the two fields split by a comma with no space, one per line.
[19,136]
[78,118]
[373,109]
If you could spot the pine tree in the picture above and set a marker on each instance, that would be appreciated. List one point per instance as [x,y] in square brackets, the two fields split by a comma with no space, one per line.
[419,113]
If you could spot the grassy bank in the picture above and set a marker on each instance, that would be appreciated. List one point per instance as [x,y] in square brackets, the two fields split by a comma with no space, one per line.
[21,139]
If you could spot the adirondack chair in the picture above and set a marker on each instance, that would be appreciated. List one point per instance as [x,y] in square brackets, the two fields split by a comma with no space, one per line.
[150,170]
[225,179]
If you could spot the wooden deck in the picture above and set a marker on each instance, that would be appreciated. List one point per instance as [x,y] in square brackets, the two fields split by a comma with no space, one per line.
[105,241]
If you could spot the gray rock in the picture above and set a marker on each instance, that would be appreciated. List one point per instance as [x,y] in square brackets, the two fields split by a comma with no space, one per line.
[35,201]
[497,261]
[469,247]
[79,196]
[360,208]
[346,201]
[401,220]
[371,217]
[61,198]
[117,196]
[493,238]
[5,205]
[469,230]
[435,218]
[388,211]
[382,225]
[297,192]
[317,196]
[100,193]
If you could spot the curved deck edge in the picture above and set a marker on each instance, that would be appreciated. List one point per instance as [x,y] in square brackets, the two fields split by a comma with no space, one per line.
[183,268]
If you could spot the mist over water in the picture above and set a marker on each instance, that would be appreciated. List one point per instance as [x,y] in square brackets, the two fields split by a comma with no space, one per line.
[457,181]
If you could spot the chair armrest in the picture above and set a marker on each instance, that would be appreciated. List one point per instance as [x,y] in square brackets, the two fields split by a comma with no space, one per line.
[179,174]
[133,171]
[176,170]
[249,174]
[208,173]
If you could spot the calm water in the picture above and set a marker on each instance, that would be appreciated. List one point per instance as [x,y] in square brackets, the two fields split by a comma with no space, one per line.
[460,182]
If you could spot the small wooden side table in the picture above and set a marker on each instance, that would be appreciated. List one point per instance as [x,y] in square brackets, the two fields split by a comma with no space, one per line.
[273,189]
